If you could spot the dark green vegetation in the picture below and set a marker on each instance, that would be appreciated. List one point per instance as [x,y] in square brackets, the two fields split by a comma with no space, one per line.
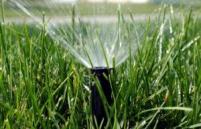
[43,87]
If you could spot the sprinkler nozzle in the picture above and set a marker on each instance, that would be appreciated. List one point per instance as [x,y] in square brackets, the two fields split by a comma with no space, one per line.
[98,111]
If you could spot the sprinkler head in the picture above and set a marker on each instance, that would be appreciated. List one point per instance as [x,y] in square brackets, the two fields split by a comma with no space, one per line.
[98,111]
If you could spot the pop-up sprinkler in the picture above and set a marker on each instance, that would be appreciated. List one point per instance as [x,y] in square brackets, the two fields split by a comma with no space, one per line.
[98,111]
[99,48]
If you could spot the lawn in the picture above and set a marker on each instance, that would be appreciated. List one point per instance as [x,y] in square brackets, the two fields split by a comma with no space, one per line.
[43,86]
[90,9]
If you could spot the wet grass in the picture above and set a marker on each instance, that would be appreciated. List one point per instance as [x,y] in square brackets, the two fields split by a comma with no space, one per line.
[42,86]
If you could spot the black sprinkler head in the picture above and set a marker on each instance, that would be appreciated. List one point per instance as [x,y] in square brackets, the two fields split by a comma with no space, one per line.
[98,111]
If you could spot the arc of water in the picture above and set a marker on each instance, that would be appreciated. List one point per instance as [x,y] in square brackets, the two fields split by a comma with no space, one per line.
[99,50]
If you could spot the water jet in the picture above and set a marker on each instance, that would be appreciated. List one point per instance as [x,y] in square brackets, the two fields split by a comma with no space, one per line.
[100,49]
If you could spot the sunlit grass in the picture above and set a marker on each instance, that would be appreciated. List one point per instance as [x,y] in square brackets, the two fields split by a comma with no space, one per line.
[91,9]
[43,86]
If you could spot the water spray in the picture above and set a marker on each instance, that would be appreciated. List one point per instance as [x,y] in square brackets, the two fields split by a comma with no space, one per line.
[100,52]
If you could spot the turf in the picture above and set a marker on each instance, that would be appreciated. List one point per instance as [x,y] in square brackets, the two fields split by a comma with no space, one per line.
[90,9]
[42,86]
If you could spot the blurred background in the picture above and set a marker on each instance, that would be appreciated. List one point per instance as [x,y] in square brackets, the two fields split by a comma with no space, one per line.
[104,10]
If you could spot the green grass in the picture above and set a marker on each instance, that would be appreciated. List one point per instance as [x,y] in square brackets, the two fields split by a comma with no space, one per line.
[42,86]
[90,9]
